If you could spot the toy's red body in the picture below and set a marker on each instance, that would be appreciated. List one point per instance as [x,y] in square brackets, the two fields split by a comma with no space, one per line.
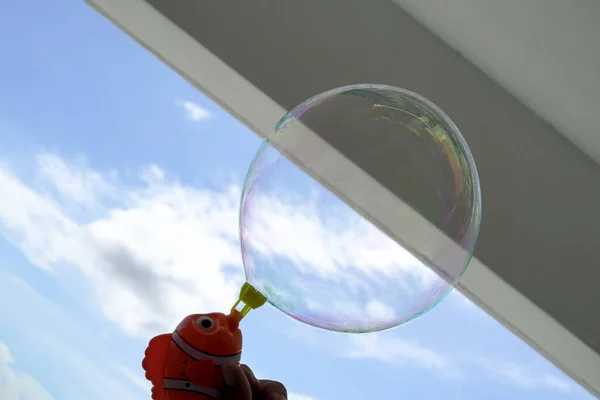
[186,365]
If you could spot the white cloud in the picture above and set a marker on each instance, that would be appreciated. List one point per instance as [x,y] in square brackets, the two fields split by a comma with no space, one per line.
[153,175]
[351,243]
[164,249]
[148,260]
[194,111]
[79,185]
[150,255]
[519,375]
[395,350]
[354,269]
[33,223]
[16,385]
[69,347]
[137,379]
[391,349]
[552,382]
[299,396]
[379,310]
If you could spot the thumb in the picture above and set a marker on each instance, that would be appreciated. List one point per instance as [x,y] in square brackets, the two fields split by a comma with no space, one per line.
[235,384]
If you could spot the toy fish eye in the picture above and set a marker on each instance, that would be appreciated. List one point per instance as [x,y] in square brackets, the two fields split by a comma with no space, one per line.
[205,323]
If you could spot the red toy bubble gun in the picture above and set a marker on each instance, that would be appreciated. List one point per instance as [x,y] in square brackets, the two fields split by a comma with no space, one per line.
[185,365]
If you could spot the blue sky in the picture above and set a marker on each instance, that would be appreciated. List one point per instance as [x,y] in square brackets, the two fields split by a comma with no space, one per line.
[120,185]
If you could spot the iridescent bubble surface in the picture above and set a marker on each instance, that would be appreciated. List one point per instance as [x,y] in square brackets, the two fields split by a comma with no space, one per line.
[307,241]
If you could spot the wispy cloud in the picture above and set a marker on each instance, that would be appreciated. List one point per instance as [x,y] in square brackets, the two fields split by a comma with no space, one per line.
[80,185]
[137,379]
[133,265]
[146,278]
[16,385]
[389,348]
[70,347]
[194,111]
[299,396]
[146,258]
[519,375]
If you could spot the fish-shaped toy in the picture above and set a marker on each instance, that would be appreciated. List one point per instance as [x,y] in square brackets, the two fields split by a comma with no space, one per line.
[186,365]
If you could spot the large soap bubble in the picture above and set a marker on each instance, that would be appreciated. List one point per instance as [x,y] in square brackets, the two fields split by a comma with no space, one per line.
[333,164]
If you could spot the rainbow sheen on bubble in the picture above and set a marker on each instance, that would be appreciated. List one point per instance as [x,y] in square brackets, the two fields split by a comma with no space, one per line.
[319,179]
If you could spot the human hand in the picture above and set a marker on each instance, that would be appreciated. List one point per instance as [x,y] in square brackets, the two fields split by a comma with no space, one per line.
[239,383]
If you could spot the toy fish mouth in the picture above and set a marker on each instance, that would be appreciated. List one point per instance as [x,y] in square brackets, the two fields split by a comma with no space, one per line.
[233,320]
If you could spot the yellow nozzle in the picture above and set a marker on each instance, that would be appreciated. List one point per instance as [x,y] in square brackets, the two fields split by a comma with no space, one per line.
[251,298]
